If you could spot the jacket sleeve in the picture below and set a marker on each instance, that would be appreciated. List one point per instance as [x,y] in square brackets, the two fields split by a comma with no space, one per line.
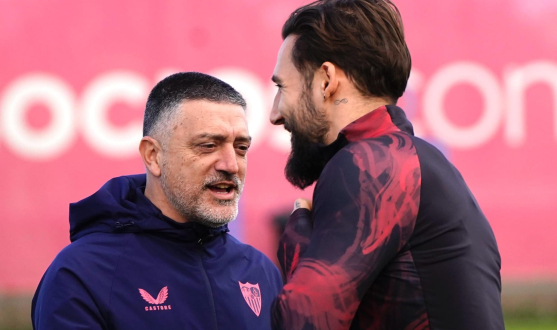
[294,241]
[63,302]
[365,207]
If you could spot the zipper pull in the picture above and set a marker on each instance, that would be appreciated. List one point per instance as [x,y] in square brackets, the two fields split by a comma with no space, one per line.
[205,239]
[120,226]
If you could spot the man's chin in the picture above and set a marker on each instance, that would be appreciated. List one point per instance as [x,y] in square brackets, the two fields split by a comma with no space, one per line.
[216,213]
[300,181]
[304,167]
[217,224]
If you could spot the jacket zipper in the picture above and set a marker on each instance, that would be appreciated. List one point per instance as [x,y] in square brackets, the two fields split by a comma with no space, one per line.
[208,286]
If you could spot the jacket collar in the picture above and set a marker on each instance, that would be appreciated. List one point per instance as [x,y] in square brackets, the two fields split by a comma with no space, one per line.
[383,120]
[120,206]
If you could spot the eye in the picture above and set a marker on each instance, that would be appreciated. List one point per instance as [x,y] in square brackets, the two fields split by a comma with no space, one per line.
[208,146]
[243,148]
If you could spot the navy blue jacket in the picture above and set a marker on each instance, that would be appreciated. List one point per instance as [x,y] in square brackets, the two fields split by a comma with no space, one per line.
[130,267]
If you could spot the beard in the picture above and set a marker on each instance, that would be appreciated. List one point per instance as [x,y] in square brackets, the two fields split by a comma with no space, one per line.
[187,199]
[308,127]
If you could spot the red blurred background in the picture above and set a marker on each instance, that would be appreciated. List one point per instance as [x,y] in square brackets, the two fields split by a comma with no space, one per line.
[75,76]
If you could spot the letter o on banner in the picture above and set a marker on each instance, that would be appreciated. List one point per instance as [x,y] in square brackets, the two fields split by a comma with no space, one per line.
[46,143]
[247,84]
[111,87]
[485,82]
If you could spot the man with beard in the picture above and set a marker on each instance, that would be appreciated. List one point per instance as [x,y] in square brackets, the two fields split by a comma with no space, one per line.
[393,238]
[152,251]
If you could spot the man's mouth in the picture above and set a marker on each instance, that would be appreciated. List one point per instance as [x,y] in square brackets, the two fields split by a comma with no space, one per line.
[222,188]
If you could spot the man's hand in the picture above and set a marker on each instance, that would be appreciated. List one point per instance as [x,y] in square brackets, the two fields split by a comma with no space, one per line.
[302,203]
[295,238]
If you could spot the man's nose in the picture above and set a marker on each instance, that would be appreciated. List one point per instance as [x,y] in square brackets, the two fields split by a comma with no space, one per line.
[228,161]
[276,117]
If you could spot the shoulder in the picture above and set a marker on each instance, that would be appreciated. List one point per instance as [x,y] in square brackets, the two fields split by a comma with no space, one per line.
[89,260]
[373,156]
[385,149]
[78,282]
[371,167]
[82,270]
[93,247]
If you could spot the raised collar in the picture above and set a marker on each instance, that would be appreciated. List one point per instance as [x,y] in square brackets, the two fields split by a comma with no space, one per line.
[381,121]
[120,206]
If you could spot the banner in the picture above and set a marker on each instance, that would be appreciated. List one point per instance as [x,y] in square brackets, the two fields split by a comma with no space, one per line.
[76,74]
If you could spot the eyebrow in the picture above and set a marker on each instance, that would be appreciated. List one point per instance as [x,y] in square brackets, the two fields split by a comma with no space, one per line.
[276,80]
[221,137]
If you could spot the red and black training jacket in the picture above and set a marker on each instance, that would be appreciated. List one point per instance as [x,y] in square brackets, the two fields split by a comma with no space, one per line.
[395,240]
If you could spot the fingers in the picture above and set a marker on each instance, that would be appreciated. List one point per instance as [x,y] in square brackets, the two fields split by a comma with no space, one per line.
[302,203]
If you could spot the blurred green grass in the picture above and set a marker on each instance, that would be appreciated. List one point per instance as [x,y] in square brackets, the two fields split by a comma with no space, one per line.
[531,324]
[510,324]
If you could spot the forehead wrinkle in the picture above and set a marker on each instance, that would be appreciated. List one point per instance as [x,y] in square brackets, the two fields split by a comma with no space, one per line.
[223,136]
[213,121]
[212,136]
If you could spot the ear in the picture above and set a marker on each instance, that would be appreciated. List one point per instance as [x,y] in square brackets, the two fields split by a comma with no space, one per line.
[150,151]
[329,85]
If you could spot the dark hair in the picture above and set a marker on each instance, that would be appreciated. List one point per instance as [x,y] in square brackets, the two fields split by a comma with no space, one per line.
[170,92]
[365,38]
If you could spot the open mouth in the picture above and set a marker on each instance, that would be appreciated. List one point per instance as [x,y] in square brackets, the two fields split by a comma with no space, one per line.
[222,188]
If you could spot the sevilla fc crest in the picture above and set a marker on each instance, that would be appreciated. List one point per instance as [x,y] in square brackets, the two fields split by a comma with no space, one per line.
[252,296]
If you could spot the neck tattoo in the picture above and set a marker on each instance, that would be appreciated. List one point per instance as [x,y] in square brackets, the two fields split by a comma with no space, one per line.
[337,102]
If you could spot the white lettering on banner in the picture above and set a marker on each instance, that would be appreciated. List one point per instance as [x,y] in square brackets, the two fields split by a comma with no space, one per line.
[104,91]
[247,84]
[59,99]
[501,108]
[434,112]
[517,81]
